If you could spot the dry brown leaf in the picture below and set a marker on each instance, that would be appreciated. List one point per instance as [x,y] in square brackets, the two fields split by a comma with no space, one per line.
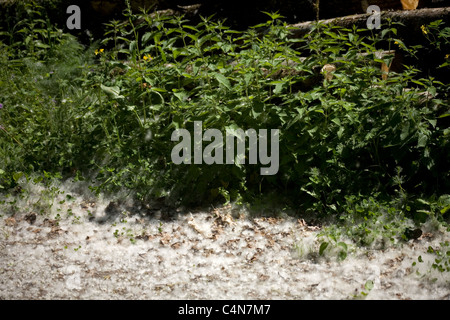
[232,241]
[165,238]
[263,277]
[271,242]
[224,219]
[208,252]
[195,227]
[144,237]
[56,231]
[11,221]
[176,245]
[50,223]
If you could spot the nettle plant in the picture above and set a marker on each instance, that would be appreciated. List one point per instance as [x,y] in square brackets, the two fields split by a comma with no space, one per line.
[344,135]
[110,114]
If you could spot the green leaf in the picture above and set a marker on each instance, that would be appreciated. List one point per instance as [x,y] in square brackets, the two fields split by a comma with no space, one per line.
[42,45]
[322,248]
[343,245]
[423,201]
[278,88]
[337,121]
[432,122]
[222,79]
[17,176]
[342,255]
[132,46]
[369,285]
[340,132]
[383,33]
[405,131]
[422,141]
[445,209]
[181,95]
[112,92]
[146,36]
[351,37]
[158,89]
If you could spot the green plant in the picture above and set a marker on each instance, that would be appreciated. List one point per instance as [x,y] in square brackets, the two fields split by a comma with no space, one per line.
[6,233]
[368,286]
[441,261]
[369,150]
[30,32]
[333,246]
[76,220]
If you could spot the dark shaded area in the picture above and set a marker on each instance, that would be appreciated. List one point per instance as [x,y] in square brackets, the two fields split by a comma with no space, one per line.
[239,14]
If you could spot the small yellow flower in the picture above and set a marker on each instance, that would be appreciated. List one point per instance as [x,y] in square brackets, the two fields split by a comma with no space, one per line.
[148,57]
[396,42]
[99,51]
[424,29]
[447,56]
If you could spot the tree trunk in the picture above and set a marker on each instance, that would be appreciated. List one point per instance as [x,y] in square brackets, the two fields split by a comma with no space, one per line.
[412,18]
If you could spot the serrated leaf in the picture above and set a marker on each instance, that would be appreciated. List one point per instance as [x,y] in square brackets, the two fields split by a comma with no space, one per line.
[222,79]
[432,122]
[278,88]
[132,46]
[383,33]
[405,131]
[181,95]
[337,121]
[112,92]
[422,141]
[340,132]
[146,36]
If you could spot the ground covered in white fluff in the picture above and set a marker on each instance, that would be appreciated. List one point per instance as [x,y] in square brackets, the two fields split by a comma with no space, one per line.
[82,247]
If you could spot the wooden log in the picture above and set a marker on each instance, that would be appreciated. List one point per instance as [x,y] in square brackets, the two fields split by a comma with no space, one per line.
[412,18]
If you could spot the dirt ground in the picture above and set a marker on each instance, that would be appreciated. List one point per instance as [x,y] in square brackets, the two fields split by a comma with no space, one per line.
[98,249]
